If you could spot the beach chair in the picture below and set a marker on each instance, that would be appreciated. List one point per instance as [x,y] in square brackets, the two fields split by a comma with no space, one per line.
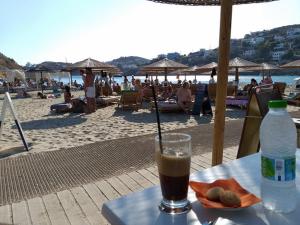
[256,110]
[130,99]
[168,107]
[56,92]
[148,94]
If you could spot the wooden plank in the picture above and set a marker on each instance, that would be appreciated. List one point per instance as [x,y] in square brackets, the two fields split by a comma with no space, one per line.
[140,179]
[149,176]
[119,186]
[38,212]
[192,170]
[195,166]
[109,192]
[154,170]
[199,163]
[95,194]
[88,207]
[130,183]
[230,155]
[202,161]
[55,211]
[20,213]
[72,209]
[5,214]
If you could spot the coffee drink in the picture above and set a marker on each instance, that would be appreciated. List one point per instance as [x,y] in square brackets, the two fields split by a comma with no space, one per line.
[173,158]
[174,171]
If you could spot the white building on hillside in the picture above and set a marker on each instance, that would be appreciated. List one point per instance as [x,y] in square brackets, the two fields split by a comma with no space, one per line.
[293,32]
[249,53]
[278,38]
[256,40]
[276,55]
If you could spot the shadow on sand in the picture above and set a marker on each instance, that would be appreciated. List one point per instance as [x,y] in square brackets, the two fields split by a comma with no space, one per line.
[51,123]
[12,151]
[149,116]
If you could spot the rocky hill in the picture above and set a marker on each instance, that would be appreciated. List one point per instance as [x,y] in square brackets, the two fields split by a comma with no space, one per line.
[8,62]
[48,65]
[129,65]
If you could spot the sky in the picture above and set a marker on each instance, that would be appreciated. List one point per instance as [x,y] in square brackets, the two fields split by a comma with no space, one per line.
[72,30]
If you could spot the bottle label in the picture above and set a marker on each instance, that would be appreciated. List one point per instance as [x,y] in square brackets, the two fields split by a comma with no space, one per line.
[281,169]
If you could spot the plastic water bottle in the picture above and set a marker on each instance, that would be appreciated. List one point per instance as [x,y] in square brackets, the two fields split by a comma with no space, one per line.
[278,139]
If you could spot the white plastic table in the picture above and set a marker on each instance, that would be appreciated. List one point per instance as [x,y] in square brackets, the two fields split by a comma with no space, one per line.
[140,208]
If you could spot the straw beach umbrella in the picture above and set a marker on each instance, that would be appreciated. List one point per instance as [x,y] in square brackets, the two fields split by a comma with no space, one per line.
[44,70]
[163,66]
[90,66]
[188,71]
[207,67]
[224,49]
[291,65]
[263,67]
[237,63]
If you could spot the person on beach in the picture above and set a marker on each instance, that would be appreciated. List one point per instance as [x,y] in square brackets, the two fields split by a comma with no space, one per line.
[67,95]
[167,91]
[213,73]
[267,81]
[125,84]
[89,88]
[184,97]
[247,89]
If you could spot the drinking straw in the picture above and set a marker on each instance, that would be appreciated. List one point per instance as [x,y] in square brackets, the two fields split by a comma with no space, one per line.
[157,120]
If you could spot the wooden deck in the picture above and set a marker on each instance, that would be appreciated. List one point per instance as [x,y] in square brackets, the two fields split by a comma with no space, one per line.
[82,205]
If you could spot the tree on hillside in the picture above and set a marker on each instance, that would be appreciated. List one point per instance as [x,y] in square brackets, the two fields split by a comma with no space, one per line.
[288,56]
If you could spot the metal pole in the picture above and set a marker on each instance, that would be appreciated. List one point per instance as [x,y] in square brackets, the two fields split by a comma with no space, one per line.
[12,110]
[237,74]
[42,81]
[224,49]
[2,116]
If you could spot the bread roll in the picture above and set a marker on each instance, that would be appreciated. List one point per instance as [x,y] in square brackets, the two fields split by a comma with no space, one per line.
[230,199]
[213,194]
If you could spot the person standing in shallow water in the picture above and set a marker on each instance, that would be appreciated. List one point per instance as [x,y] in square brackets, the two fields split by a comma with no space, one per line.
[89,88]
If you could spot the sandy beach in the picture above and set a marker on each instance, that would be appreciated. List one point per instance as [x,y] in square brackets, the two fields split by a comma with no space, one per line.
[48,131]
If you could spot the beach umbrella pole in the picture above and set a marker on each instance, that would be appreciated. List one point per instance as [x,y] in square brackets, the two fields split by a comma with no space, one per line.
[224,49]
[237,74]
[41,82]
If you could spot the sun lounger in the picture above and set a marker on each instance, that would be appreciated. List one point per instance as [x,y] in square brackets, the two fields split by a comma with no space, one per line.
[107,100]
[166,106]
[130,99]
[241,101]
[61,107]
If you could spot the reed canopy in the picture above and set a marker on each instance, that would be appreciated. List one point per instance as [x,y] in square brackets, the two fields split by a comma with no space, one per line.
[91,64]
[207,2]
[292,65]
[163,66]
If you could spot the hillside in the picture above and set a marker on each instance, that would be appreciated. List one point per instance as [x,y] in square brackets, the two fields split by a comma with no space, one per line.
[8,62]
[129,65]
[48,65]
[276,46]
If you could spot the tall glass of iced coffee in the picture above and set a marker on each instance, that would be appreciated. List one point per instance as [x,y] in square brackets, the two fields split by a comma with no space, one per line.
[173,157]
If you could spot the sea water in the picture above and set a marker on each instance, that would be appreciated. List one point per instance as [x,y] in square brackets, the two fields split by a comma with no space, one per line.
[244,79]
